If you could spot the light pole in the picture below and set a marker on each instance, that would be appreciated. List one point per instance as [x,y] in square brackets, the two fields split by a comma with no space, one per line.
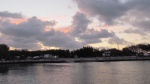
[118,45]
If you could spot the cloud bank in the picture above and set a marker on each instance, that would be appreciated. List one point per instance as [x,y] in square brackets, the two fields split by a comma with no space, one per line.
[6,14]
[136,12]
[30,33]
[33,31]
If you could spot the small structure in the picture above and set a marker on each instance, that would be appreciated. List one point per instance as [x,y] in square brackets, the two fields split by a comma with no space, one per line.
[106,54]
[36,57]
[17,57]
[76,56]
[55,57]
[141,54]
[146,54]
[29,57]
[48,56]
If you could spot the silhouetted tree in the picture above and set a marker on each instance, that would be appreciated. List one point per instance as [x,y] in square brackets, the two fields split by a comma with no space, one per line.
[82,52]
[86,52]
[127,51]
[4,51]
[144,47]
[115,52]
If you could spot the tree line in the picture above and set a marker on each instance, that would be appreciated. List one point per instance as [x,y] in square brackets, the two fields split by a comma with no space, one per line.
[86,51]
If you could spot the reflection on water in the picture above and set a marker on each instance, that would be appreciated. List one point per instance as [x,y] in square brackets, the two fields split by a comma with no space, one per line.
[136,72]
[4,69]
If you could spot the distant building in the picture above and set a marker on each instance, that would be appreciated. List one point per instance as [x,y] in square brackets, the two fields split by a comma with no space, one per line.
[146,54]
[17,57]
[36,57]
[143,54]
[106,54]
[48,56]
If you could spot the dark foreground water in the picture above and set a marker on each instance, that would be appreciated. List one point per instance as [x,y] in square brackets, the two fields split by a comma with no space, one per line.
[127,72]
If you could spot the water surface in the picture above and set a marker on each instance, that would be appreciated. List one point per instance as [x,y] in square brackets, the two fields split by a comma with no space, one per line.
[126,72]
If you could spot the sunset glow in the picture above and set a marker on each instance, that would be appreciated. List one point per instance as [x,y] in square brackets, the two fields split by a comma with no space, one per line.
[18,21]
[72,24]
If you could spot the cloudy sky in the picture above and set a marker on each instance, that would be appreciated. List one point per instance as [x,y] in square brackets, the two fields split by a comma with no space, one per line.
[72,24]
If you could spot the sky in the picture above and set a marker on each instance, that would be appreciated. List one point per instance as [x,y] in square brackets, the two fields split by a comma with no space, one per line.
[72,24]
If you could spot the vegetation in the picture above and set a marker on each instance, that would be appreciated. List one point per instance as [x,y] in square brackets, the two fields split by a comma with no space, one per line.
[4,51]
[88,51]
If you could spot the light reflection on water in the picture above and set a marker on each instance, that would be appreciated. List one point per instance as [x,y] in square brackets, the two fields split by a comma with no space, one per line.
[133,72]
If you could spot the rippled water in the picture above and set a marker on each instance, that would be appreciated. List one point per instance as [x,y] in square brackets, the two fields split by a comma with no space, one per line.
[133,72]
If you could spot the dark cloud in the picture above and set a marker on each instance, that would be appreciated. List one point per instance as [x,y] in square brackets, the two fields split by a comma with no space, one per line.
[32,27]
[6,14]
[24,43]
[80,23]
[117,40]
[95,36]
[83,33]
[142,5]
[134,31]
[140,14]
[106,10]
[111,11]
[143,25]
[28,34]
[61,40]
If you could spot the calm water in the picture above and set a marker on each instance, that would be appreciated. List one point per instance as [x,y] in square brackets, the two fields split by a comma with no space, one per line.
[133,72]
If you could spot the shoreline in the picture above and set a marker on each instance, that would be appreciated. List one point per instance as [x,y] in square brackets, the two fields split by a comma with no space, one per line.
[78,60]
